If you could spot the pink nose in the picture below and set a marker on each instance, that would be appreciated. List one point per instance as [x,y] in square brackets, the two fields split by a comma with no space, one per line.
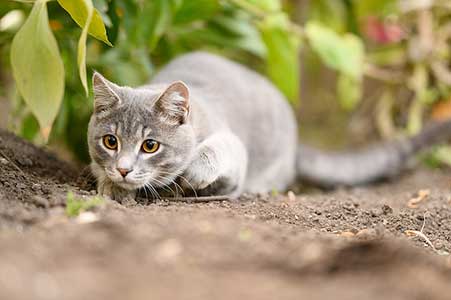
[124,172]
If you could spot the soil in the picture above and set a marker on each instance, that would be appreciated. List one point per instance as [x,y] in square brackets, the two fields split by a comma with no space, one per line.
[390,241]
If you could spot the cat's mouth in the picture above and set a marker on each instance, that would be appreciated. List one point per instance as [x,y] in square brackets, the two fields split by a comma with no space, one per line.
[128,184]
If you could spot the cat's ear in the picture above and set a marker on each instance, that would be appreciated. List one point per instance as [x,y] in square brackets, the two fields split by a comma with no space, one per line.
[105,96]
[173,104]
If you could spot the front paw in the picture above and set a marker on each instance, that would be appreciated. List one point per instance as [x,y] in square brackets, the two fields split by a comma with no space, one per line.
[118,194]
[202,172]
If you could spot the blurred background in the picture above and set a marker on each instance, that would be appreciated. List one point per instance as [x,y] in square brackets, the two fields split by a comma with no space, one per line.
[355,71]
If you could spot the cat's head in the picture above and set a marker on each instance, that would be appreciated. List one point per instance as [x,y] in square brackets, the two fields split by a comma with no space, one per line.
[140,136]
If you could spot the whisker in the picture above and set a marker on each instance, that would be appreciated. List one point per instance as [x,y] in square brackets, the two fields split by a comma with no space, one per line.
[163,185]
[176,186]
[183,178]
[145,192]
[156,192]
[190,185]
[153,191]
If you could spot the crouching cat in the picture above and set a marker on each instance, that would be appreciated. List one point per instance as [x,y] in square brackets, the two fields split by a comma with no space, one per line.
[218,128]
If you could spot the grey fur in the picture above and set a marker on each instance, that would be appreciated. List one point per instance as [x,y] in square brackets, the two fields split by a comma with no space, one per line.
[231,132]
[377,162]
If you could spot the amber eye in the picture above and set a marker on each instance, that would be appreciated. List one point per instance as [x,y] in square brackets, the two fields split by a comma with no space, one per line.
[110,141]
[150,146]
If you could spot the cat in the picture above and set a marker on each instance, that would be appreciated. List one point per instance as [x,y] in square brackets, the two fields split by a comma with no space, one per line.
[215,127]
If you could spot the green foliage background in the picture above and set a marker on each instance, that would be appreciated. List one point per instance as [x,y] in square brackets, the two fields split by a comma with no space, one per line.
[53,58]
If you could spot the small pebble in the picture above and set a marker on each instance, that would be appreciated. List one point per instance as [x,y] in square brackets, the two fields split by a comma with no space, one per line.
[40,201]
[21,186]
[291,196]
[386,209]
[87,217]
[376,213]
[347,234]
[36,187]
[366,234]
[83,192]
[25,161]
[438,244]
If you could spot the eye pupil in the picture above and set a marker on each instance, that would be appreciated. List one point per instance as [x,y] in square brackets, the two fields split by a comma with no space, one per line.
[150,146]
[110,141]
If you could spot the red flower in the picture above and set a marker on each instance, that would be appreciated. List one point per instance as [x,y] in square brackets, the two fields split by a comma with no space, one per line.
[382,32]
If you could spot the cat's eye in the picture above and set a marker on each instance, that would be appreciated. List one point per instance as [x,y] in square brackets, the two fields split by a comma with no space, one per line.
[110,141]
[150,146]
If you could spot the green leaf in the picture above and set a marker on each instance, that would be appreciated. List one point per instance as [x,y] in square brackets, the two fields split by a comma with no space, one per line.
[282,54]
[443,155]
[375,7]
[38,68]
[237,32]
[154,20]
[266,5]
[193,10]
[79,11]
[29,127]
[349,91]
[81,55]
[333,14]
[344,53]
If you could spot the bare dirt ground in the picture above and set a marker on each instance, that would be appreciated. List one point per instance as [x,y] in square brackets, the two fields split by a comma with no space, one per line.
[390,241]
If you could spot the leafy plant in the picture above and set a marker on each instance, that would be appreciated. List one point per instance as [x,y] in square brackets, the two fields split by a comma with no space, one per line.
[145,35]
[401,45]
[76,206]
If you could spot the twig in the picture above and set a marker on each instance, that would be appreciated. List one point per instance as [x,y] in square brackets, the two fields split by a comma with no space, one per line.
[10,161]
[197,199]
[388,76]
[441,71]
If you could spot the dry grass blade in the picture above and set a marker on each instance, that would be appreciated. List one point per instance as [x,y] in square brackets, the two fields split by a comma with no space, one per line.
[421,196]
[421,234]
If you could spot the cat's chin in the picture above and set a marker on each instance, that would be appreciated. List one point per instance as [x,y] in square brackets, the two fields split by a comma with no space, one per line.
[128,185]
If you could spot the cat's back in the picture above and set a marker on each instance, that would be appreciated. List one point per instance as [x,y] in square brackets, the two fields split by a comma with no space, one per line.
[234,91]
[210,72]
[249,104]
[201,67]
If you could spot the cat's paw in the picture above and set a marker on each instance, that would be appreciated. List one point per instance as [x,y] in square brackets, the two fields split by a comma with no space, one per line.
[118,194]
[202,172]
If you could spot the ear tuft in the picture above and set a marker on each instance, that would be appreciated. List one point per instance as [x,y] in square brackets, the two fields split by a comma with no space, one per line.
[105,96]
[173,104]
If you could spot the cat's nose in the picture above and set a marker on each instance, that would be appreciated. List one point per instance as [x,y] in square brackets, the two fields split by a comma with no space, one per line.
[124,172]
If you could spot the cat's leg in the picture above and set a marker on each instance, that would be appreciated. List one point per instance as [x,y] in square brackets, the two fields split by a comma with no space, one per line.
[219,166]
[106,188]
[110,190]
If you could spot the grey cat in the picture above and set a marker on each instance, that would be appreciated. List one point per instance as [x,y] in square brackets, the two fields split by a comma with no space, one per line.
[218,128]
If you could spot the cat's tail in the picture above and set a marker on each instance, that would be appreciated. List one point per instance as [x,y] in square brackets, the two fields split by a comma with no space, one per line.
[381,161]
